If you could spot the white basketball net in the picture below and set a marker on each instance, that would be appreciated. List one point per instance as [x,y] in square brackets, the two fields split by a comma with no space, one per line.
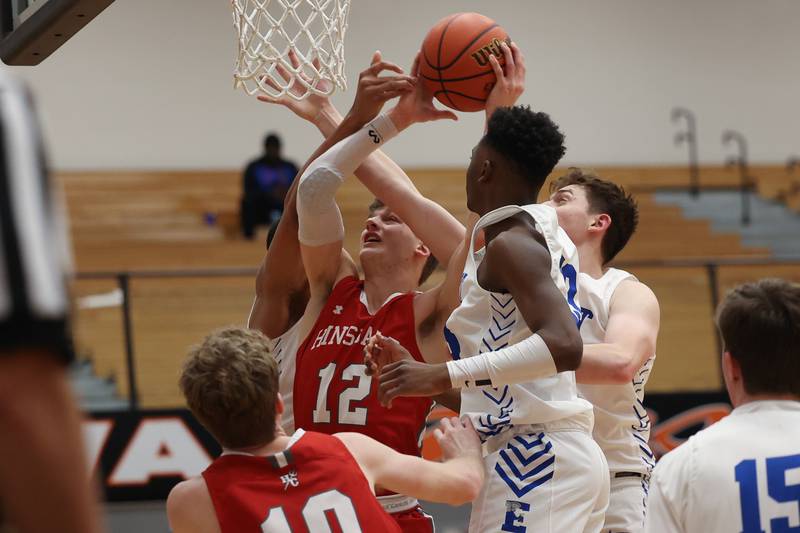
[269,29]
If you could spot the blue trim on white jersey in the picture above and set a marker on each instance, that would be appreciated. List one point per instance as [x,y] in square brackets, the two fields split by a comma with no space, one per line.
[496,338]
[526,462]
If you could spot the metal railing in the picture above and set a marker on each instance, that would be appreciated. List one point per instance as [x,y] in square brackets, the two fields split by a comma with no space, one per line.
[123,279]
[740,161]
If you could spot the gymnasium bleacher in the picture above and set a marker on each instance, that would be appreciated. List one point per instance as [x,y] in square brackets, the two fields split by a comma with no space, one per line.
[187,221]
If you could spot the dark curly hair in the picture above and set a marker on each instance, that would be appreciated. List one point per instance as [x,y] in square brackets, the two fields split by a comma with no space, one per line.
[609,198]
[529,140]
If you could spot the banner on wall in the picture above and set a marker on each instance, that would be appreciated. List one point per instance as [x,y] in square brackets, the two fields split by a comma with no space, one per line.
[141,455]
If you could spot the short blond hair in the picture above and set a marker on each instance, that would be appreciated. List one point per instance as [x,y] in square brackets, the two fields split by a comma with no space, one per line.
[230,382]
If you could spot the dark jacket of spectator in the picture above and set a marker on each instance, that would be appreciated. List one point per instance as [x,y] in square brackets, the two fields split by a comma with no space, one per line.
[266,181]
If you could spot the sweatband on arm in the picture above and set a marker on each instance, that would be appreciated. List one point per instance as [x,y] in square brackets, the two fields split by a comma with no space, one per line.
[526,360]
[320,221]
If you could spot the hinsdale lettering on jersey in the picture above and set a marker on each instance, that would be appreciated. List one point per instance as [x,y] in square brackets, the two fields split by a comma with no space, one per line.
[342,336]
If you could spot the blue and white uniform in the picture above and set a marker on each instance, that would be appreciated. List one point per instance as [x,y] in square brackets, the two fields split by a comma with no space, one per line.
[741,474]
[544,471]
[621,424]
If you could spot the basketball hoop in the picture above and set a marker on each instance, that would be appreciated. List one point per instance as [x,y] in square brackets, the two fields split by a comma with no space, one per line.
[269,29]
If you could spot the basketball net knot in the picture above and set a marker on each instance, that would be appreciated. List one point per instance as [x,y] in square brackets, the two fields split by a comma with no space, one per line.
[269,29]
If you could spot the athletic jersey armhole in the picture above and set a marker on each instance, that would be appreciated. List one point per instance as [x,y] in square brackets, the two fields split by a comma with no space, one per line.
[334,447]
[340,290]
[620,277]
[406,303]
[546,229]
[345,284]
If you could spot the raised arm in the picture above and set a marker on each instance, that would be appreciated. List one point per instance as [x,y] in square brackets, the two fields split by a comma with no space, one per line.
[429,221]
[321,229]
[456,481]
[281,283]
[630,338]
[281,286]
[433,224]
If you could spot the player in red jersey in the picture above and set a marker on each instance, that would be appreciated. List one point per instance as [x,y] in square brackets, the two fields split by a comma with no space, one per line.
[329,388]
[266,481]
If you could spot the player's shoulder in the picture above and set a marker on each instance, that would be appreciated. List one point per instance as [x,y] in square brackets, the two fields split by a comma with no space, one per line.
[544,215]
[188,488]
[707,440]
[675,458]
[630,290]
[515,255]
[518,243]
[322,444]
[186,495]
[349,438]
[702,453]
[190,508]
[365,450]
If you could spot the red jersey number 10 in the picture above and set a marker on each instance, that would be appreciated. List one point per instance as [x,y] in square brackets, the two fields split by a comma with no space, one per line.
[314,515]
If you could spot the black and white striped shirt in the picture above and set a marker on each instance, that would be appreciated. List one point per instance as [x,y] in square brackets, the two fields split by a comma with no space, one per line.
[34,256]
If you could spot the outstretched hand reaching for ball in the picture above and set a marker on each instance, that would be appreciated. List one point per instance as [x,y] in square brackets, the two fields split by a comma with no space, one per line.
[310,107]
[417,105]
[374,90]
[510,79]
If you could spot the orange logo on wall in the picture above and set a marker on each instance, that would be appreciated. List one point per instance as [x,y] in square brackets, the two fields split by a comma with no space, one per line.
[664,436]
[430,448]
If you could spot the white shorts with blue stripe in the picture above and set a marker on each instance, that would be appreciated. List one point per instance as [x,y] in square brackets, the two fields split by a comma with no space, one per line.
[627,505]
[549,478]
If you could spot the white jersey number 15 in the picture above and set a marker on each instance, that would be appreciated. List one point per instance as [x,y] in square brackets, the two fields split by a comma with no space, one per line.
[777,489]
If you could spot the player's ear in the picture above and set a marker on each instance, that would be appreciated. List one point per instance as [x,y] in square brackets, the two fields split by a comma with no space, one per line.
[731,372]
[600,223]
[487,169]
[280,406]
[422,250]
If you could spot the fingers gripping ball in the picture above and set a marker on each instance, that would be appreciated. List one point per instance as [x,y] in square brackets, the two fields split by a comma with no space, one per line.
[455,60]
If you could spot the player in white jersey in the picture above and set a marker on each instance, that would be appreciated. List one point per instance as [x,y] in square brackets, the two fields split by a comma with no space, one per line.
[619,327]
[515,343]
[742,474]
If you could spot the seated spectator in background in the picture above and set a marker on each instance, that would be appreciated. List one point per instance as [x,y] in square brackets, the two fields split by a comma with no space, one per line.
[266,181]
[741,474]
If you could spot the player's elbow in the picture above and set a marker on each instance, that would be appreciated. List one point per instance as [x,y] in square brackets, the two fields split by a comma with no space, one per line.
[307,188]
[316,190]
[623,371]
[466,488]
[567,351]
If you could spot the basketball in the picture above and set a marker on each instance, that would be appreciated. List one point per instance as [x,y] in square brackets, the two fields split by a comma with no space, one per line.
[455,60]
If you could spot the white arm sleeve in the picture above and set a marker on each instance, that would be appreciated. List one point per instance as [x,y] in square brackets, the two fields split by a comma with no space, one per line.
[320,221]
[526,360]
